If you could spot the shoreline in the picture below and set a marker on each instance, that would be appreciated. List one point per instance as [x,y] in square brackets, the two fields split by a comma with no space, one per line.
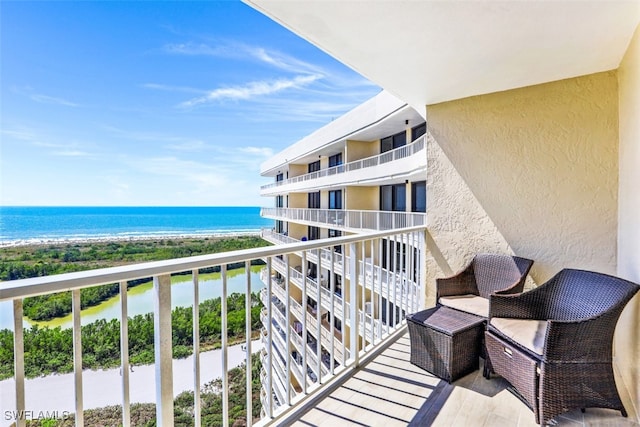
[55,392]
[44,241]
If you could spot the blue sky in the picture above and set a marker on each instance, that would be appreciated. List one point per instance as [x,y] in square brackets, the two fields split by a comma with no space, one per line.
[155,103]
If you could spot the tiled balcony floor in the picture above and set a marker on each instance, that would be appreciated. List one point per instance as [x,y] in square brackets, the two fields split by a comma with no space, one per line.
[390,391]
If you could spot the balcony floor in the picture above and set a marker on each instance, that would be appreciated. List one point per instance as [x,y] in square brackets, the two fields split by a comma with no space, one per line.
[390,391]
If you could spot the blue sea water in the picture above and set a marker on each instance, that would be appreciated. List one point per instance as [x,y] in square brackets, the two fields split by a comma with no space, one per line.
[42,224]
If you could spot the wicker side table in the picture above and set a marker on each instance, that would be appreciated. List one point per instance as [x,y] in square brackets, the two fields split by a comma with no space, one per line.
[445,342]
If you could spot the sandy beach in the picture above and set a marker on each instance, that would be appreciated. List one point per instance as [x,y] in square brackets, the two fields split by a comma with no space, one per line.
[103,387]
[124,238]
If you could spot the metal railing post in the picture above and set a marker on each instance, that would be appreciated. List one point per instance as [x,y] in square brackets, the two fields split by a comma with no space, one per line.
[163,349]
[248,329]
[18,361]
[124,355]
[77,356]
[353,303]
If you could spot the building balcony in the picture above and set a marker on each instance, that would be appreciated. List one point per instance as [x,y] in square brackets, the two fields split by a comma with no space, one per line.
[400,163]
[348,220]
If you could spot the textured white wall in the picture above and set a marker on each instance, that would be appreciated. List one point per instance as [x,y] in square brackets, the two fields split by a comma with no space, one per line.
[532,170]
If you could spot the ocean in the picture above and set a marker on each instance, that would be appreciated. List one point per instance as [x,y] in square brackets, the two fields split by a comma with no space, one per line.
[22,225]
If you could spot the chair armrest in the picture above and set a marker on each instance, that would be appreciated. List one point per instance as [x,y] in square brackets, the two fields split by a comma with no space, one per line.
[584,340]
[528,305]
[514,288]
[462,283]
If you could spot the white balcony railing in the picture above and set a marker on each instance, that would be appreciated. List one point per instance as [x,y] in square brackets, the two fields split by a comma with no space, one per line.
[353,220]
[279,396]
[392,285]
[396,154]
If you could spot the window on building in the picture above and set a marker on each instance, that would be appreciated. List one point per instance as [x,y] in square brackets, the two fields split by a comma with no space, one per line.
[393,197]
[312,270]
[279,177]
[393,141]
[313,233]
[279,201]
[335,160]
[394,256]
[419,196]
[335,199]
[315,166]
[279,226]
[418,131]
[314,200]
[336,233]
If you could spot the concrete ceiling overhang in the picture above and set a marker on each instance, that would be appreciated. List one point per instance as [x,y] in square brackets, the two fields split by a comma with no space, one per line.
[427,52]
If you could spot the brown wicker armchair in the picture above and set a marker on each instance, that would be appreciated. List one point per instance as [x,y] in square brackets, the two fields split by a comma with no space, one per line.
[554,343]
[469,290]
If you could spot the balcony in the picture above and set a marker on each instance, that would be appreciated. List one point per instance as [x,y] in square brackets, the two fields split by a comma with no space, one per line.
[348,220]
[402,162]
[376,384]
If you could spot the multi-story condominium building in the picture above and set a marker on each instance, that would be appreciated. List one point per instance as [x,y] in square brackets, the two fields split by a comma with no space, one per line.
[364,171]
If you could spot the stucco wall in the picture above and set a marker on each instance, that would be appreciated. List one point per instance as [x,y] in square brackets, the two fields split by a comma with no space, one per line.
[627,341]
[361,198]
[356,150]
[298,200]
[295,170]
[531,170]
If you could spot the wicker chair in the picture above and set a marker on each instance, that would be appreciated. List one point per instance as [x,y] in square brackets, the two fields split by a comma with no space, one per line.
[469,290]
[554,343]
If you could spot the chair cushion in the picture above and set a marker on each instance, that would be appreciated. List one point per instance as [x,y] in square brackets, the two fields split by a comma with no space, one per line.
[530,334]
[473,304]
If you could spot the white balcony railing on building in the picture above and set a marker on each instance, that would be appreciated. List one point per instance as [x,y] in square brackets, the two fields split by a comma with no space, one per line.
[277,378]
[356,220]
[391,284]
[396,154]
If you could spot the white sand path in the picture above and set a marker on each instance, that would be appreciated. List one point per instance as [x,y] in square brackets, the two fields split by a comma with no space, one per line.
[104,387]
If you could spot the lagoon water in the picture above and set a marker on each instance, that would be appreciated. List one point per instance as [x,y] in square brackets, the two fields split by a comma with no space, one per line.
[21,225]
[140,298]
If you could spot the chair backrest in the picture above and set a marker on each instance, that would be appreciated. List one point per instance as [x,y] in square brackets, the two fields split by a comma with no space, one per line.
[495,272]
[579,294]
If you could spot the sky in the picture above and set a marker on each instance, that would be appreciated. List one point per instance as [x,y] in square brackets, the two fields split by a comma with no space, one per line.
[155,103]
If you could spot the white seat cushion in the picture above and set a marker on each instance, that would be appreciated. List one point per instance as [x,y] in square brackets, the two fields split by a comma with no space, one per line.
[473,304]
[528,333]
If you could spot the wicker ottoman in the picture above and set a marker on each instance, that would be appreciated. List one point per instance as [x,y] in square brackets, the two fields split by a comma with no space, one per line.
[445,342]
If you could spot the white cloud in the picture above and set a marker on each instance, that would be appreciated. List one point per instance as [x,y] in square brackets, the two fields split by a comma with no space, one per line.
[71,153]
[189,145]
[178,143]
[169,88]
[42,98]
[65,149]
[258,151]
[21,135]
[243,51]
[196,49]
[251,90]
[45,99]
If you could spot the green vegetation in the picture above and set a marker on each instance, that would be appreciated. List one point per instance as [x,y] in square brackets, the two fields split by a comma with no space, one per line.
[143,414]
[23,262]
[50,350]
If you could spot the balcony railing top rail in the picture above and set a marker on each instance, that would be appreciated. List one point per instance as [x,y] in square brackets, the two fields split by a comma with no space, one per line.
[349,219]
[386,157]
